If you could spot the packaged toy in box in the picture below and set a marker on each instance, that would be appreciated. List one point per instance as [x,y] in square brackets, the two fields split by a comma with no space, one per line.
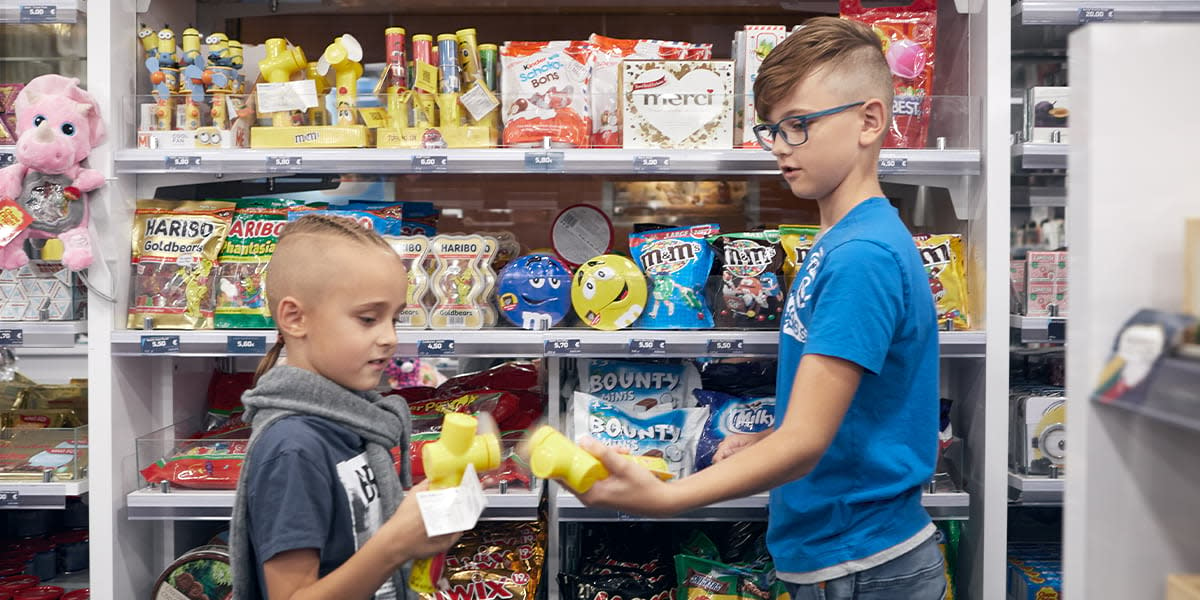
[677,104]
[754,43]
[41,291]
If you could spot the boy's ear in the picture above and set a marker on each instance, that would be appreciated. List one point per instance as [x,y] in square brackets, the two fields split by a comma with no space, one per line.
[289,317]
[875,122]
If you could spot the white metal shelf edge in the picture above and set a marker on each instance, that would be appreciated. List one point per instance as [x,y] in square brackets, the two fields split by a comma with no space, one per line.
[26,11]
[42,334]
[1067,12]
[942,506]
[1035,490]
[1042,156]
[36,495]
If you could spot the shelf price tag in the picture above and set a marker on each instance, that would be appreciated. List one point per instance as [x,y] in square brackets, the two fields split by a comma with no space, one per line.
[544,161]
[651,164]
[1095,15]
[892,165]
[182,163]
[561,347]
[12,337]
[1056,330]
[644,347]
[246,344]
[160,344]
[278,164]
[7,159]
[716,347]
[435,348]
[38,13]
[430,164]
[10,498]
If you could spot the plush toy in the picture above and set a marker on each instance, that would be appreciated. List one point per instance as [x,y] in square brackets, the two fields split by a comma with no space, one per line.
[58,124]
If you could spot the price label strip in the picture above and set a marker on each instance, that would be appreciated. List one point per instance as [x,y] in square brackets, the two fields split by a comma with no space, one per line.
[38,13]
[544,161]
[246,344]
[716,347]
[12,337]
[160,344]
[1096,15]
[10,498]
[892,165]
[7,159]
[647,347]
[182,163]
[435,348]
[284,164]
[651,164]
[562,347]
[430,164]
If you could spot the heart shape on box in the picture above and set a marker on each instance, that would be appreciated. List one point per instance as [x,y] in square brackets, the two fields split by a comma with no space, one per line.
[678,107]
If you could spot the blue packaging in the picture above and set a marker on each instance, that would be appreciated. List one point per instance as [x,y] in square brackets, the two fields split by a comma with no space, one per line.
[667,434]
[646,385]
[676,263]
[729,414]
[534,291]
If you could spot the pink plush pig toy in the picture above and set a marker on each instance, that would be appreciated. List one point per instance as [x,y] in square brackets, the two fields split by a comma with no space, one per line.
[58,124]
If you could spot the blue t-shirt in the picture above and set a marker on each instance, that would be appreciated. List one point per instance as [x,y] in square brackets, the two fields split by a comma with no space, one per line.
[861,295]
[310,487]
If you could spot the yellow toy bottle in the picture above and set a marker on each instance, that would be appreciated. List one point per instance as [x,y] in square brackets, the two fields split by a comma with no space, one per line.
[445,462]
[552,456]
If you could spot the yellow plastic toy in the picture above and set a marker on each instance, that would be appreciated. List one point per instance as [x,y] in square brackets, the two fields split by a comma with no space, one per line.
[344,56]
[553,456]
[281,63]
[445,462]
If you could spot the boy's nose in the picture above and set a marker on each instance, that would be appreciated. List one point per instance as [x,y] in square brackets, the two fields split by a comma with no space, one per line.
[779,147]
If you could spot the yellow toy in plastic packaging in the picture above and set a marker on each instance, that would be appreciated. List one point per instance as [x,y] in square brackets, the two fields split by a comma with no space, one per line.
[942,256]
[553,456]
[609,292]
[796,240]
[458,283]
[413,250]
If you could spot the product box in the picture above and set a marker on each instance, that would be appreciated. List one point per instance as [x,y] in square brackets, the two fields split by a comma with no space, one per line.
[1046,266]
[1044,583]
[677,104]
[41,286]
[1038,432]
[1046,113]
[1016,274]
[753,45]
[1191,265]
[168,131]
[1046,299]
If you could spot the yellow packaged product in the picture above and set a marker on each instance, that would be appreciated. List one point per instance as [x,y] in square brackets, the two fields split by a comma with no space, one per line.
[175,247]
[796,241]
[27,454]
[29,418]
[945,264]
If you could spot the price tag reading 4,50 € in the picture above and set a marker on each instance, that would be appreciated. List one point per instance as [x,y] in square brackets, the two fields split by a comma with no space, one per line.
[435,348]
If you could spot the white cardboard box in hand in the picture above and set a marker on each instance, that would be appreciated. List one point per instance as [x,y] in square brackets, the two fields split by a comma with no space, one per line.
[453,509]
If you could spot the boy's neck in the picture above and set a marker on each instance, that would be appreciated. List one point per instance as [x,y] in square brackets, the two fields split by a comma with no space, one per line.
[861,184]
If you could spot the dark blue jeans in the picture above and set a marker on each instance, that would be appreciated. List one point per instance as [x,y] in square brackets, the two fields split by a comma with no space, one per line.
[916,575]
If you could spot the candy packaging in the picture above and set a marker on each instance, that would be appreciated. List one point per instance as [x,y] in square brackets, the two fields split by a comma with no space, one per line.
[608,292]
[749,292]
[413,250]
[545,89]
[458,283]
[908,34]
[945,265]
[490,248]
[676,263]
[796,241]
[729,415]
[646,385]
[606,80]
[175,248]
[535,292]
[668,434]
[495,561]
[209,466]
[241,302]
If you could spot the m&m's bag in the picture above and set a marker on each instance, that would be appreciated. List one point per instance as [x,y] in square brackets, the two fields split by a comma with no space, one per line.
[942,256]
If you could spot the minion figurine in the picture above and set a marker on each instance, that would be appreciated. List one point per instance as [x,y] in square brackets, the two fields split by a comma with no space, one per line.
[190,39]
[149,41]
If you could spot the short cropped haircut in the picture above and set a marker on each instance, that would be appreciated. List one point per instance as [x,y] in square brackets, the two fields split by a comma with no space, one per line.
[849,50]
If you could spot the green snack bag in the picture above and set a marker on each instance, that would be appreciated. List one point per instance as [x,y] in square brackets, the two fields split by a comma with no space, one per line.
[241,301]
[699,544]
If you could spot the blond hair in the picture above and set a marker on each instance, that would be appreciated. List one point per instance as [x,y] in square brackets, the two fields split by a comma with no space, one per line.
[849,50]
[292,237]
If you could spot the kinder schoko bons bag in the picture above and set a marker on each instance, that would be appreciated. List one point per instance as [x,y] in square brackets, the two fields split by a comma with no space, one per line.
[546,93]
[907,34]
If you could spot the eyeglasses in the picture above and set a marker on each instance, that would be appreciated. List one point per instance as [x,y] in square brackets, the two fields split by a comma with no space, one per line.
[794,128]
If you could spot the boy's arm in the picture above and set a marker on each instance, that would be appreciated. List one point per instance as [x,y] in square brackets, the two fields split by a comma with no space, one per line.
[823,389]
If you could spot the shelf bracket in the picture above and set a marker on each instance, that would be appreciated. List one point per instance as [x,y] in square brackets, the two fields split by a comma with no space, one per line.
[959,187]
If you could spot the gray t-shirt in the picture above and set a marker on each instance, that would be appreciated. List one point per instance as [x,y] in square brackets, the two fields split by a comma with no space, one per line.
[310,487]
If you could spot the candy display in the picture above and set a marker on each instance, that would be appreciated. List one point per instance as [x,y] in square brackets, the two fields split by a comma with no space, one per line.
[413,250]
[796,241]
[458,282]
[908,34]
[535,292]
[750,291]
[205,466]
[1046,285]
[1035,571]
[751,46]
[709,579]
[670,434]
[241,301]
[945,264]
[495,560]
[200,574]
[175,248]
[546,93]
[677,104]
[608,292]
[677,263]
[730,415]
[27,453]
[644,385]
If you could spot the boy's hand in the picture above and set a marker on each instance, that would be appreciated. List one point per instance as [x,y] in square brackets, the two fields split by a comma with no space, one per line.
[735,442]
[630,487]
[406,530]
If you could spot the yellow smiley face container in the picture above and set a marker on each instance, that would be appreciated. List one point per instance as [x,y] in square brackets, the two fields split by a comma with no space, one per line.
[608,292]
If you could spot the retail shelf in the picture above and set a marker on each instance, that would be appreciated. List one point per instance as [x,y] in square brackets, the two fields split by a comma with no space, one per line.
[41,11]
[954,506]
[41,334]
[1028,489]
[152,504]
[1171,397]
[1039,196]
[1076,12]
[72,581]
[1041,156]
[1039,329]
[508,343]
[30,495]
[249,162]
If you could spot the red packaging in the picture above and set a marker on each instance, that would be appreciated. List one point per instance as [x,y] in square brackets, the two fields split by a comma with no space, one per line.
[545,88]
[606,80]
[908,34]
[508,376]
[41,592]
[208,467]
[19,582]
[83,594]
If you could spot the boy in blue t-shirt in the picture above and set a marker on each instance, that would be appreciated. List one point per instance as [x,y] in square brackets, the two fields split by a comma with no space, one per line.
[857,416]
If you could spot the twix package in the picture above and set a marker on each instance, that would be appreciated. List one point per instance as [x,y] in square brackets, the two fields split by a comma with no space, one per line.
[175,248]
